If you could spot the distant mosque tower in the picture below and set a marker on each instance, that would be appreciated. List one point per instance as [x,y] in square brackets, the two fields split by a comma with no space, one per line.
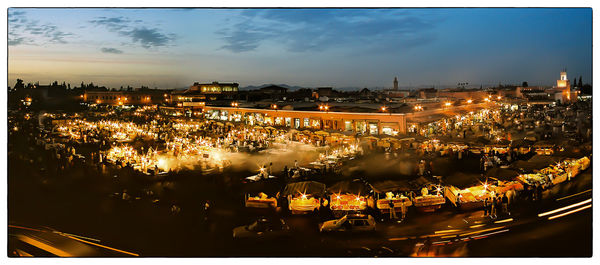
[563,89]
[564,81]
[395,83]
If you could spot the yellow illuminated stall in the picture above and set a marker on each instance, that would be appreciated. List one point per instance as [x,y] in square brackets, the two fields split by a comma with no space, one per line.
[304,197]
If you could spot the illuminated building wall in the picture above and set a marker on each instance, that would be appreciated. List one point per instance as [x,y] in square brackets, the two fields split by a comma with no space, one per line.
[116,98]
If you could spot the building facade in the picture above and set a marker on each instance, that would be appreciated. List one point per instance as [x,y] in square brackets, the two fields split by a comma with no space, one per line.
[116,98]
[205,92]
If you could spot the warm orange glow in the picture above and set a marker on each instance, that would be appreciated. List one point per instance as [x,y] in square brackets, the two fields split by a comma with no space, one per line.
[383,108]
[470,101]
[448,104]
[499,97]
[274,106]
[44,246]
[98,101]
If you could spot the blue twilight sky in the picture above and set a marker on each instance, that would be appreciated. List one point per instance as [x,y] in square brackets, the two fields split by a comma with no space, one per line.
[169,48]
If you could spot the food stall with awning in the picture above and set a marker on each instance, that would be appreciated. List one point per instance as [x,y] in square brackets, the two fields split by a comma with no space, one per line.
[349,195]
[334,139]
[544,148]
[390,190]
[501,148]
[304,197]
[523,146]
[431,195]
[261,194]
[471,197]
[556,173]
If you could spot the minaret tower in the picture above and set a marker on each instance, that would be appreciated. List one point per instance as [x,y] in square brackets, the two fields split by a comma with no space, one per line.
[395,83]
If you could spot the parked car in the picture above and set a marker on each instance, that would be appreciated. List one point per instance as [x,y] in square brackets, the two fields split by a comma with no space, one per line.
[353,223]
[263,228]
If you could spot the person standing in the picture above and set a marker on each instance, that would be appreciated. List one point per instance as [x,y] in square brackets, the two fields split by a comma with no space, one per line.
[285,172]
[493,208]
[486,203]
[270,168]
[505,204]
[392,210]
[421,168]
[206,208]
[403,209]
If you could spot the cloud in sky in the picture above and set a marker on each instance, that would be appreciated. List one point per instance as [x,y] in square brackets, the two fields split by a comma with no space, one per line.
[111,50]
[146,37]
[302,30]
[22,30]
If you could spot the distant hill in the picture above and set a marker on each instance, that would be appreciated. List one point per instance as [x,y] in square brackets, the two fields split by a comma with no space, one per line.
[290,88]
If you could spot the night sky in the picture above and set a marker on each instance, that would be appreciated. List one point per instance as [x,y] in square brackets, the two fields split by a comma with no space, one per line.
[172,48]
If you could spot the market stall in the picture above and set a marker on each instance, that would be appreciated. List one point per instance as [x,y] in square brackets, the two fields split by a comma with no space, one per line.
[469,198]
[429,196]
[497,148]
[543,148]
[261,195]
[304,197]
[523,146]
[349,196]
[394,191]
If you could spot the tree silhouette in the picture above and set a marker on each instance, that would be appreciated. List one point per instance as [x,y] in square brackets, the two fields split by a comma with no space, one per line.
[580,84]
[525,84]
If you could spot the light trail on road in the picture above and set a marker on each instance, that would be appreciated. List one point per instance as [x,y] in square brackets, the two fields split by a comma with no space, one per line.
[569,212]
[572,195]
[564,208]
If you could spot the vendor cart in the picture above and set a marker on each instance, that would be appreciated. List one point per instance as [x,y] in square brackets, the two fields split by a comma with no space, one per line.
[387,191]
[349,197]
[304,197]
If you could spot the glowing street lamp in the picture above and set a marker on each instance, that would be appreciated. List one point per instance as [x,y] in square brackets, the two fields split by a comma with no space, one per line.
[469,101]
[448,104]
[234,104]
[324,108]
[418,107]
[384,109]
